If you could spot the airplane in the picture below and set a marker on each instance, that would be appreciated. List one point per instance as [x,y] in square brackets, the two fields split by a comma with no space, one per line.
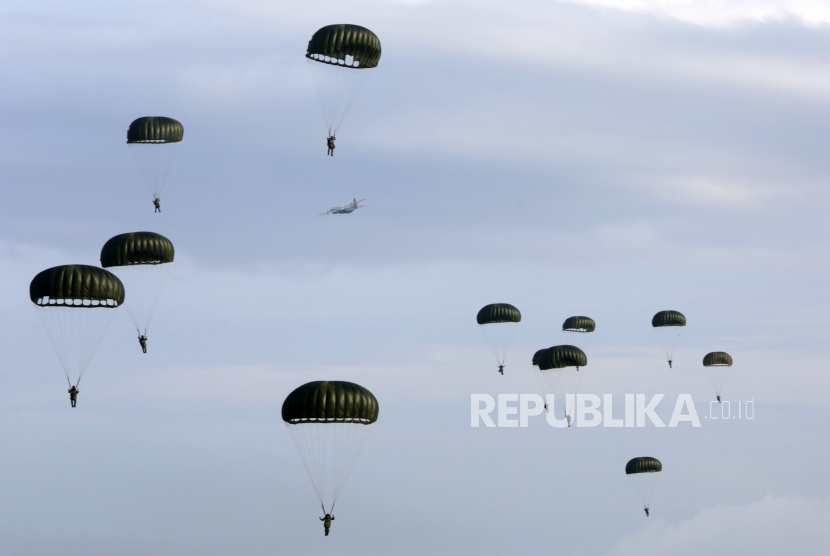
[345,209]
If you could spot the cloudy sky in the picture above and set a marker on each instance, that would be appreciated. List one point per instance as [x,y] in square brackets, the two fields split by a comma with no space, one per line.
[610,158]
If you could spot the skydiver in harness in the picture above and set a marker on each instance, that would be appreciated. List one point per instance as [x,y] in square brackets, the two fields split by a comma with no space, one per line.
[719,399]
[646,509]
[501,369]
[142,339]
[670,362]
[330,144]
[73,395]
[327,522]
[157,204]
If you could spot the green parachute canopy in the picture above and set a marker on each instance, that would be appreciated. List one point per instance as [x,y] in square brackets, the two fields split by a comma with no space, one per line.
[717,359]
[537,357]
[137,248]
[330,402]
[579,324]
[345,45]
[668,318]
[155,129]
[76,285]
[559,357]
[498,312]
[643,465]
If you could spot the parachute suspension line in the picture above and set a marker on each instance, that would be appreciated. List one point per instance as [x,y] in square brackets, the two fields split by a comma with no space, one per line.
[298,435]
[542,385]
[75,333]
[582,340]
[644,485]
[154,160]
[565,382]
[355,86]
[662,344]
[361,431]
[717,375]
[57,335]
[500,337]
[319,84]
[548,387]
[145,283]
[675,342]
[552,378]
[93,331]
[337,89]
[509,343]
[328,471]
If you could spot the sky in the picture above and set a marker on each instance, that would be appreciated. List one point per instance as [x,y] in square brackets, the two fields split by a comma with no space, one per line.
[608,158]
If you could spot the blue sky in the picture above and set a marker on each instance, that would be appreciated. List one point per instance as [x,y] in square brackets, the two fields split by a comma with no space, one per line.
[604,158]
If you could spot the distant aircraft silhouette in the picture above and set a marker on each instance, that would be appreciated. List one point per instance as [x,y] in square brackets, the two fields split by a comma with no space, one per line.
[345,209]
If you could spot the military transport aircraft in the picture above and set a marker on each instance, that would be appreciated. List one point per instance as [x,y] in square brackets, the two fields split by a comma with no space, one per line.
[345,209]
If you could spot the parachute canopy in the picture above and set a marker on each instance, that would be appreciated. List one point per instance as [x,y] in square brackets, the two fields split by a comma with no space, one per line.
[498,312]
[76,304]
[345,45]
[643,465]
[498,322]
[559,357]
[579,324]
[154,142]
[668,318]
[537,357]
[329,421]
[330,402]
[643,474]
[333,55]
[555,377]
[717,366]
[76,285]
[717,359]
[137,248]
[155,129]
[141,260]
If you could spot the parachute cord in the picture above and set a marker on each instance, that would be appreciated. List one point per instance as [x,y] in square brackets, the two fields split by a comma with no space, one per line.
[68,381]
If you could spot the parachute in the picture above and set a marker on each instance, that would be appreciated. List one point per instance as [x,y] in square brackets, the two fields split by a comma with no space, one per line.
[667,325]
[141,260]
[643,473]
[340,58]
[498,322]
[329,422]
[76,304]
[717,365]
[559,373]
[577,329]
[154,141]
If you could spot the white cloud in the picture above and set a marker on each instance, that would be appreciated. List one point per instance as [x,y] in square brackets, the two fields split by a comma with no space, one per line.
[774,525]
[714,13]
[713,194]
